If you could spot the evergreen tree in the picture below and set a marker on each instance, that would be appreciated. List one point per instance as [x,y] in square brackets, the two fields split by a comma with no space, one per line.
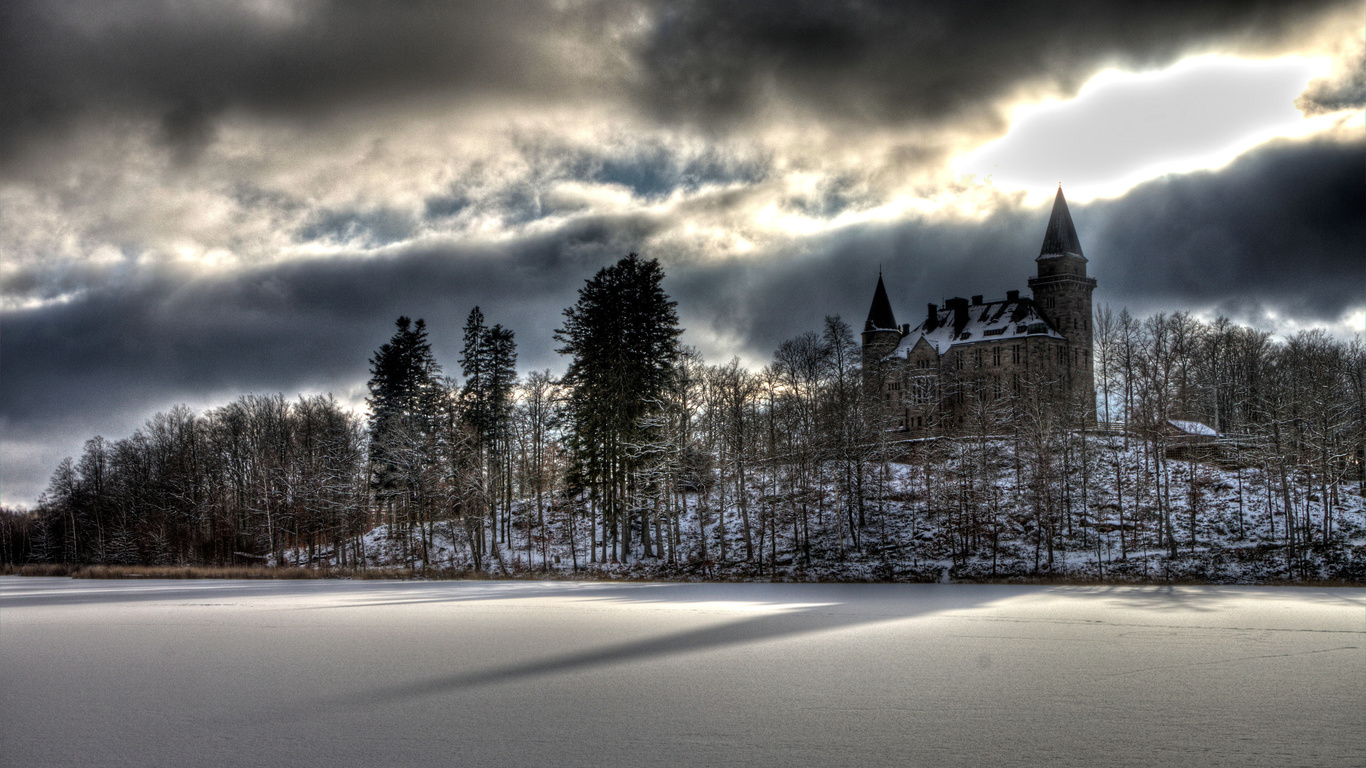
[489,362]
[474,365]
[622,336]
[405,407]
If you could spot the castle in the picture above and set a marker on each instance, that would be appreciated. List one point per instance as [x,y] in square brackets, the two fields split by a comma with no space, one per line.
[973,357]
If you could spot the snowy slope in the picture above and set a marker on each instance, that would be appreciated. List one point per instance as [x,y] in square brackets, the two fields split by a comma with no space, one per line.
[983,528]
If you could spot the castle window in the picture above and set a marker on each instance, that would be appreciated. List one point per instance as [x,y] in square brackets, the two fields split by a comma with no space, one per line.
[996,355]
[1062,356]
[977,358]
[1015,353]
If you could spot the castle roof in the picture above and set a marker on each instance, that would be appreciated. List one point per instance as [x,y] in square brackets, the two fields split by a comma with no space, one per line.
[1060,239]
[959,322]
[880,315]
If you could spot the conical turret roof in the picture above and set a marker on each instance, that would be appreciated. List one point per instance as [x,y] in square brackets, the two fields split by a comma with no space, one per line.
[880,315]
[1060,237]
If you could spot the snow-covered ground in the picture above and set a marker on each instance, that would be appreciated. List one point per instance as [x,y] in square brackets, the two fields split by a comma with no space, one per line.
[912,534]
[513,673]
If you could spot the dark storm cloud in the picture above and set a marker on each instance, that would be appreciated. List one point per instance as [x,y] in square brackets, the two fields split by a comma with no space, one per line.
[1281,227]
[888,60]
[185,63]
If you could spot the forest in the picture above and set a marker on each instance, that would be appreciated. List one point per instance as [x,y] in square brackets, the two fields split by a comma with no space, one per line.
[643,459]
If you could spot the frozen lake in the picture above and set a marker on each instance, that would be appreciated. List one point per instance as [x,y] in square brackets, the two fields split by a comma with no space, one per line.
[314,673]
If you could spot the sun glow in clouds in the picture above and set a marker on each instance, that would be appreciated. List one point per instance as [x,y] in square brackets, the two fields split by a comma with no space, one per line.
[1124,128]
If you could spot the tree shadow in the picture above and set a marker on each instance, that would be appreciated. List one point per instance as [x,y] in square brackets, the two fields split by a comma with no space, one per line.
[785,611]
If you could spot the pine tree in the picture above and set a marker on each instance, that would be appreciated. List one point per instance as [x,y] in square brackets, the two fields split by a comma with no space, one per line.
[622,336]
[474,366]
[405,407]
[489,362]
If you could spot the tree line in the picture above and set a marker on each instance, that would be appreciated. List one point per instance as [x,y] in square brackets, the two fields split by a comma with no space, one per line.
[643,451]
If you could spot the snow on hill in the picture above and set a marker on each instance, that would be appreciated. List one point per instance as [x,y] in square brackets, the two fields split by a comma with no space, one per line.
[967,518]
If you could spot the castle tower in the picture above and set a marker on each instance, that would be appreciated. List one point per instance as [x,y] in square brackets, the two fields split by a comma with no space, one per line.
[1062,293]
[880,332]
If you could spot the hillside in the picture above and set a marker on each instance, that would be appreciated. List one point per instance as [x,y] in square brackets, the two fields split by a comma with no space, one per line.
[971,516]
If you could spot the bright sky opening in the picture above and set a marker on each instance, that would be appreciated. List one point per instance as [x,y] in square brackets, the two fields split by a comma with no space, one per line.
[1124,128]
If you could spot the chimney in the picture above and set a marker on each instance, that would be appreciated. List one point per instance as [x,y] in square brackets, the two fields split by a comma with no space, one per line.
[932,321]
[1012,295]
[959,306]
[977,300]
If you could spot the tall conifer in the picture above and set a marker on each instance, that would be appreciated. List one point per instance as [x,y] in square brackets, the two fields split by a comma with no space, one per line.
[405,405]
[622,335]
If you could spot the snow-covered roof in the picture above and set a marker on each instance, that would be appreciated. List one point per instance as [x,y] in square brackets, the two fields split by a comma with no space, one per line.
[1193,427]
[993,321]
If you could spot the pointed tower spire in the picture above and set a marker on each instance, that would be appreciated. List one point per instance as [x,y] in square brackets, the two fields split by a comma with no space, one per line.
[1061,237]
[880,315]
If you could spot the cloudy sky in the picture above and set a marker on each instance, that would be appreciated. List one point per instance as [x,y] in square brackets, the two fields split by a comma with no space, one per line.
[202,198]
